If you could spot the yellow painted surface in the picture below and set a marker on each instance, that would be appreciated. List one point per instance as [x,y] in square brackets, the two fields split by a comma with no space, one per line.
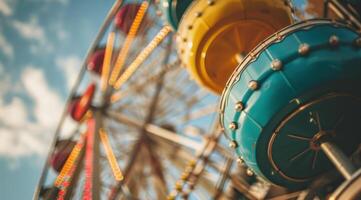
[213,38]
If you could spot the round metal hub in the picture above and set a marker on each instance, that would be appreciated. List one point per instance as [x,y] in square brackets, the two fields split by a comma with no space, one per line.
[294,147]
[315,141]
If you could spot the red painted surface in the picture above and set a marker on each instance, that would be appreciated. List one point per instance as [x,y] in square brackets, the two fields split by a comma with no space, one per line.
[89,160]
[67,178]
[124,18]
[61,154]
[79,106]
[95,62]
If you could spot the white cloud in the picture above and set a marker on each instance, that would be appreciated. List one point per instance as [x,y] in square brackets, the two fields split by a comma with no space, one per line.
[17,143]
[30,30]
[48,104]
[5,8]
[19,135]
[6,47]
[14,113]
[70,65]
[9,86]
[34,33]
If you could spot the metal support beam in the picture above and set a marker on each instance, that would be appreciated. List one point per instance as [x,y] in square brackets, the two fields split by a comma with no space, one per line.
[142,125]
[75,178]
[116,6]
[157,131]
[96,152]
[160,183]
[344,13]
[242,187]
[220,187]
[173,137]
[339,159]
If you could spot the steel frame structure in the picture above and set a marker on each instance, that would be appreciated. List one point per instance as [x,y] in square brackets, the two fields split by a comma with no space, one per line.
[143,121]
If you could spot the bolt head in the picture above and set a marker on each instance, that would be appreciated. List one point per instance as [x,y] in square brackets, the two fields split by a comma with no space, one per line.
[211,2]
[198,14]
[252,56]
[240,161]
[276,65]
[279,37]
[249,172]
[239,106]
[184,176]
[334,40]
[179,186]
[253,85]
[192,163]
[233,144]
[170,197]
[233,126]
[304,49]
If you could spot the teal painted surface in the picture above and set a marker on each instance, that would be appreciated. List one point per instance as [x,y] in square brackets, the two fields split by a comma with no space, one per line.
[341,113]
[173,11]
[324,70]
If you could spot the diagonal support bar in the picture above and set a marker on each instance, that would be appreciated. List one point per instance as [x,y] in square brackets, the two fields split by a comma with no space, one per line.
[128,41]
[142,56]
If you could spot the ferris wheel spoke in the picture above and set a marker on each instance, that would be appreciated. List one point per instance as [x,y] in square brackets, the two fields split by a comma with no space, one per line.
[179,100]
[141,57]
[134,110]
[72,180]
[188,100]
[147,70]
[173,137]
[133,88]
[128,41]
[167,112]
[200,112]
[138,87]
[118,175]
[160,132]
[222,181]
[107,61]
[157,169]
[123,147]
[118,117]
[178,156]
[133,157]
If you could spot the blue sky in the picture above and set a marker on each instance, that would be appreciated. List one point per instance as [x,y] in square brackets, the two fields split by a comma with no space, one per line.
[42,43]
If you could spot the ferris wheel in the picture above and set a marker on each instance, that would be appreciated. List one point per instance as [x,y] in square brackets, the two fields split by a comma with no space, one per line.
[153,122]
